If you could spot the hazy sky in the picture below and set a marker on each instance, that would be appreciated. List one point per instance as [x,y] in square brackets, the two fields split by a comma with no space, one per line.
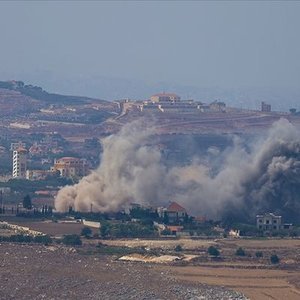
[226,44]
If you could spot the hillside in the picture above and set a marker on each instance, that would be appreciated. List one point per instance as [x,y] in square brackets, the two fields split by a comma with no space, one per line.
[25,108]
[20,102]
[39,94]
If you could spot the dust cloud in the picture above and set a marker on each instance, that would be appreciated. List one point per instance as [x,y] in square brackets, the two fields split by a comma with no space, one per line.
[249,178]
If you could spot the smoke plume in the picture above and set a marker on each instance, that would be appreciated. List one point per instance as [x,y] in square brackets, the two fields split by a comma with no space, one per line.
[130,171]
[240,182]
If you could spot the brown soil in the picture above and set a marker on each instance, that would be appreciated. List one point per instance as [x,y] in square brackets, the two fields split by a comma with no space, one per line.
[55,272]
[259,284]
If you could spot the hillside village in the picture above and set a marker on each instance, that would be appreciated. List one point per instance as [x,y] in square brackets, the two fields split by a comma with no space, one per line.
[49,140]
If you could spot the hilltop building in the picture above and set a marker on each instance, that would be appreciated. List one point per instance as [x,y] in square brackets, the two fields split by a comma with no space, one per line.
[265,107]
[19,162]
[164,97]
[172,103]
[70,167]
[218,106]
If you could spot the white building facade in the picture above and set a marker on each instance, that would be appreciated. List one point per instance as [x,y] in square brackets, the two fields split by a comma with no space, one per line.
[19,163]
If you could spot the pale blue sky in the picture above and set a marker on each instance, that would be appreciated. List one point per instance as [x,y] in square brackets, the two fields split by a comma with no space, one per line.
[204,44]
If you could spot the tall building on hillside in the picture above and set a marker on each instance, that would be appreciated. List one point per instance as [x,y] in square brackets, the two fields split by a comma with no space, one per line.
[19,162]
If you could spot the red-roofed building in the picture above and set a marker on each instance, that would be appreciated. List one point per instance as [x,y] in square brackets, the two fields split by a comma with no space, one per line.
[176,213]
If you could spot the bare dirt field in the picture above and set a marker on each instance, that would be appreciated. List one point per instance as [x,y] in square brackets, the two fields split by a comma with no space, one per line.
[49,227]
[263,243]
[167,244]
[259,284]
[255,277]
[57,272]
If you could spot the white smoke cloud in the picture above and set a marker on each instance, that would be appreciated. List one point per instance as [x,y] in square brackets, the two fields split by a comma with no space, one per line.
[250,178]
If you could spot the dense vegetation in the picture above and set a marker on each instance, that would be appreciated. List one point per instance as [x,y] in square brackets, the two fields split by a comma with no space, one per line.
[72,240]
[25,186]
[213,251]
[20,238]
[126,230]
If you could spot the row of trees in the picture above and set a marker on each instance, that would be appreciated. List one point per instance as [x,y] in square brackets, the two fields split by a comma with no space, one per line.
[213,251]
[126,230]
[20,238]
[69,240]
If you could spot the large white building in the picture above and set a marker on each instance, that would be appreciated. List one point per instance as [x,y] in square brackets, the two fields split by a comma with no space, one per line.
[19,162]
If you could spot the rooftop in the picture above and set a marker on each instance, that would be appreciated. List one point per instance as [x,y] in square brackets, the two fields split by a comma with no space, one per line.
[175,207]
[165,95]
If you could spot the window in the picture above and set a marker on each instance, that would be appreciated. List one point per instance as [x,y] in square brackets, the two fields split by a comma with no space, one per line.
[267,221]
[274,227]
[260,220]
[275,221]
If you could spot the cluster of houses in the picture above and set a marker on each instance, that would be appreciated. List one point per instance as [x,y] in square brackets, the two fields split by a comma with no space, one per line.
[175,217]
[66,166]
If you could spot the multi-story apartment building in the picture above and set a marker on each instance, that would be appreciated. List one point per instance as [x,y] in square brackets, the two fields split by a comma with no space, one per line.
[19,162]
[268,221]
[271,222]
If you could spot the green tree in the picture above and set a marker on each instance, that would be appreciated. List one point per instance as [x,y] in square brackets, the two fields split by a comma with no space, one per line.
[27,202]
[274,259]
[178,248]
[240,252]
[105,229]
[72,240]
[86,232]
[258,254]
[43,239]
[166,232]
[213,251]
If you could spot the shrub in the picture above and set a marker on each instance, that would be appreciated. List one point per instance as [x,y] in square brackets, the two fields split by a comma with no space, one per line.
[72,240]
[126,230]
[105,229]
[166,232]
[43,239]
[213,251]
[86,232]
[274,259]
[178,248]
[240,252]
[258,254]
